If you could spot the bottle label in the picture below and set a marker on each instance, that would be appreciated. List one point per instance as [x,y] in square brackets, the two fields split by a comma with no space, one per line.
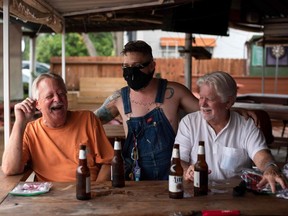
[88,189]
[82,154]
[196,178]
[201,150]
[175,183]
[175,153]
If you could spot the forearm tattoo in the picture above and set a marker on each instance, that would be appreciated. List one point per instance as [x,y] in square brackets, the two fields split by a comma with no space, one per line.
[104,113]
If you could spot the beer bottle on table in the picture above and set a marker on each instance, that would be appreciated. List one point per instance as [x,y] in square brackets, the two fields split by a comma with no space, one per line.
[176,175]
[83,176]
[201,172]
[117,166]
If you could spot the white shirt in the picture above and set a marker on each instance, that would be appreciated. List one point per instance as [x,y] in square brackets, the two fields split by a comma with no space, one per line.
[228,152]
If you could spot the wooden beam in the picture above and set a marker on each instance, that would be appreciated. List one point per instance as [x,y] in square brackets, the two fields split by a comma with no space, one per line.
[36,11]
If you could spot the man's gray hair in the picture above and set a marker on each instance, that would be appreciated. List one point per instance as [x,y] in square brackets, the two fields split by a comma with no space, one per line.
[224,84]
[35,92]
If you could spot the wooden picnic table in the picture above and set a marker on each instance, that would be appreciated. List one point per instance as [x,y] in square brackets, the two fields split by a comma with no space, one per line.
[7,183]
[137,198]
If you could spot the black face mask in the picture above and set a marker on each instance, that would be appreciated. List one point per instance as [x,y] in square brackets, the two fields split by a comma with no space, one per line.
[135,78]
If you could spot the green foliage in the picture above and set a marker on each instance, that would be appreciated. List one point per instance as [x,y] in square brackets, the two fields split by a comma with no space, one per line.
[103,43]
[48,45]
[25,54]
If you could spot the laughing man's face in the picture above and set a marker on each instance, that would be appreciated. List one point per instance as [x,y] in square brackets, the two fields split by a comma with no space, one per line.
[52,102]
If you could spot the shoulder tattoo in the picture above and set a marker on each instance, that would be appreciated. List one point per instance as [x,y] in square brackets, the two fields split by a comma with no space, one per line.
[170,91]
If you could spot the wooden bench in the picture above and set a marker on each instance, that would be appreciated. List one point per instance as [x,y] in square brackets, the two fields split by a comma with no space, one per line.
[97,89]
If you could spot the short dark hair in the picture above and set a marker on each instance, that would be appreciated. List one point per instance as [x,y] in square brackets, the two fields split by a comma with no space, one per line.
[138,46]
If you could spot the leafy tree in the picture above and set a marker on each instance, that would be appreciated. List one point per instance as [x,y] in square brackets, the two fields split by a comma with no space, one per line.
[48,45]
[103,42]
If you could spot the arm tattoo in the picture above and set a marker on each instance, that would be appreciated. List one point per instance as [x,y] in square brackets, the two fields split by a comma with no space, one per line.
[104,113]
[170,91]
[112,98]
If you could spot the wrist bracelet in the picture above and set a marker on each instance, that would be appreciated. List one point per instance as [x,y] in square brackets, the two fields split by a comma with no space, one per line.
[268,164]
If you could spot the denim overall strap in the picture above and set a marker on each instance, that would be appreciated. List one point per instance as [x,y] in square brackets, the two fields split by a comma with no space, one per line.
[125,92]
[161,90]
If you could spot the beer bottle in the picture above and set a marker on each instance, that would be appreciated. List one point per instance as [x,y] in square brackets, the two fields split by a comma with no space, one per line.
[83,176]
[117,166]
[176,175]
[201,172]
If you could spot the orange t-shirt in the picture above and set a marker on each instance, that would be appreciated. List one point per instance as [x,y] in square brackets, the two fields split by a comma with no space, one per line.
[54,152]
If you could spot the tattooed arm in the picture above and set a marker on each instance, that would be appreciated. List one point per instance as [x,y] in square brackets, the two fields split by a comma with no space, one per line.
[108,110]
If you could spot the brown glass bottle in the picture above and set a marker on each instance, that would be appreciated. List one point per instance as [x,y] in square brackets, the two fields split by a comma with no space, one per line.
[176,175]
[83,176]
[117,166]
[201,172]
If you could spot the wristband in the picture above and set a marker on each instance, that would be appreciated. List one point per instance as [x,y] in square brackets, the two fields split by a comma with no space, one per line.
[268,164]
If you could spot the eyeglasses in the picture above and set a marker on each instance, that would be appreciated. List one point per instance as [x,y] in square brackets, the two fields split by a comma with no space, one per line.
[140,66]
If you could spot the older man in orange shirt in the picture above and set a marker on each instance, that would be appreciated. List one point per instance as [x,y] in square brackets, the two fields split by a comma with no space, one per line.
[50,144]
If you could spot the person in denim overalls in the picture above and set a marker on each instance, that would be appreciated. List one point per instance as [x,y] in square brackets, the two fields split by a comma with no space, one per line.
[152,136]
[149,109]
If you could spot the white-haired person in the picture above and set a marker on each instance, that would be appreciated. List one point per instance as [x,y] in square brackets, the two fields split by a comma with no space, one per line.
[231,142]
[50,144]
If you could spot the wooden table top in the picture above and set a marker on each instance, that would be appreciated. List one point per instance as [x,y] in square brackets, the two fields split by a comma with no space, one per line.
[7,183]
[140,198]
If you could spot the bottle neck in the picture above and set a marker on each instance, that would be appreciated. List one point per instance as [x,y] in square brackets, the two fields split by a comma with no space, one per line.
[82,154]
[201,152]
[82,162]
[117,145]
[175,153]
[82,157]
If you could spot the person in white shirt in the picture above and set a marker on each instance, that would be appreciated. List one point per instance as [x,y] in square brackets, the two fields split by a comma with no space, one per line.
[231,142]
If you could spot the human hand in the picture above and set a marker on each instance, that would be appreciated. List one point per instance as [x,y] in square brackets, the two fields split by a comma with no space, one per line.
[25,110]
[273,175]
[189,173]
[250,114]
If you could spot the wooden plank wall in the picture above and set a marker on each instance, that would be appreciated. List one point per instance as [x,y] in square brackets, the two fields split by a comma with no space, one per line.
[77,67]
[168,68]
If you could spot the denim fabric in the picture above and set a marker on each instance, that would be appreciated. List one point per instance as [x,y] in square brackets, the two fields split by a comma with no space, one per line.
[155,139]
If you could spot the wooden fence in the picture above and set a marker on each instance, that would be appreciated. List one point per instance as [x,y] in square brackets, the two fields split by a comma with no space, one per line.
[168,68]
[248,84]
